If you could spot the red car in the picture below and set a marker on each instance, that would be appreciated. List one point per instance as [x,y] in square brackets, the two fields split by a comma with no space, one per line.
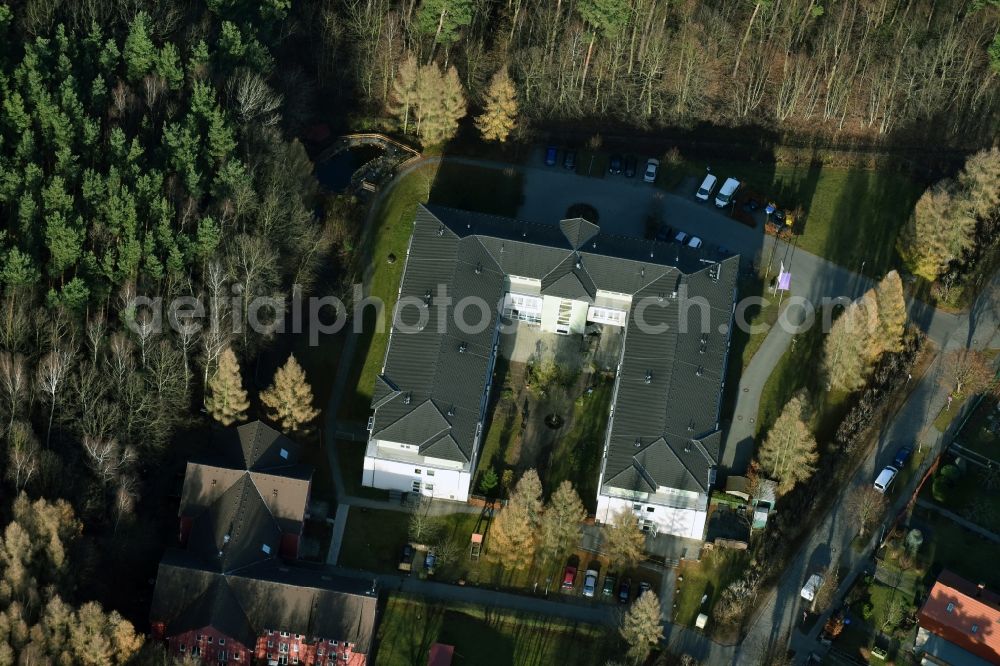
[569,578]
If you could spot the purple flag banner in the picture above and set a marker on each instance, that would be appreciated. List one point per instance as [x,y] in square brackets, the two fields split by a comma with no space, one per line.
[784,280]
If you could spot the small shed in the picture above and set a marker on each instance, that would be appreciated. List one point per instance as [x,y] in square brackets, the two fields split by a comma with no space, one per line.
[440,654]
[738,486]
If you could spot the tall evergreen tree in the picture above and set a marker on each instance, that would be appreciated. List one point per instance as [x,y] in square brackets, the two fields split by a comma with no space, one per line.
[290,398]
[140,53]
[788,454]
[404,91]
[226,400]
[559,531]
[853,343]
[642,626]
[512,536]
[938,232]
[891,312]
[499,116]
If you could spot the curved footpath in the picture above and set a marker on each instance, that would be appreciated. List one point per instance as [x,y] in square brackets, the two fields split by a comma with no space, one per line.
[546,191]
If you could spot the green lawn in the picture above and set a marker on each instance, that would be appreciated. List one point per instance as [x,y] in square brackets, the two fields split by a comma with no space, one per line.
[852,215]
[373,539]
[977,436]
[461,186]
[351,456]
[485,637]
[953,547]
[710,575]
[577,456]
[787,377]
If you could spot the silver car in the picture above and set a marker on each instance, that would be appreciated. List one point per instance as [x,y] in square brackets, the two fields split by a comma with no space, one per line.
[652,166]
[589,582]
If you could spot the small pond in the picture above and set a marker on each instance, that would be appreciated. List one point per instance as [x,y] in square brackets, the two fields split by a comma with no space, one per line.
[335,173]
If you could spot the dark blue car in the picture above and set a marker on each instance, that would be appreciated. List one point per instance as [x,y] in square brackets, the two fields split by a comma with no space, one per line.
[902,455]
[551,153]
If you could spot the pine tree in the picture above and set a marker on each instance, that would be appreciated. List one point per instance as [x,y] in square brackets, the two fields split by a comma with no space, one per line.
[140,52]
[404,91]
[226,400]
[499,116]
[290,397]
[512,535]
[939,232]
[642,626]
[891,312]
[853,343]
[559,531]
[788,455]
[440,104]
[623,541]
[979,183]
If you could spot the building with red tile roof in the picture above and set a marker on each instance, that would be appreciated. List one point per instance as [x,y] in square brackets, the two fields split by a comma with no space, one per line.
[959,623]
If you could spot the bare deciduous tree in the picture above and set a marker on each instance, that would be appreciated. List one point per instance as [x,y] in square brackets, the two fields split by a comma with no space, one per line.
[52,373]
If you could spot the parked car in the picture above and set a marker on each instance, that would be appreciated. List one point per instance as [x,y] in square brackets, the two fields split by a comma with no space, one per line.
[695,242]
[811,587]
[624,591]
[609,584]
[615,166]
[569,578]
[430,561]
[705,191]
[903,454]
[681,238]
[652,166]
[630,162]
[644,587]
[665,233]
[551,155]
[885,479]
[726,192]
[590,582]
[406,558]
[570,160]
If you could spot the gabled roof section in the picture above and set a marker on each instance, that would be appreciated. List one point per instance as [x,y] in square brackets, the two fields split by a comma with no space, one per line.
[419,426]
[445,448]
[578,231]
[237,511]
[238,529]
[632,478]
[269,595]
[960,612]
[385,391]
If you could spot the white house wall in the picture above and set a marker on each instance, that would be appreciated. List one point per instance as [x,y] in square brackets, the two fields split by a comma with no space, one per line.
[689,523]
[450,484]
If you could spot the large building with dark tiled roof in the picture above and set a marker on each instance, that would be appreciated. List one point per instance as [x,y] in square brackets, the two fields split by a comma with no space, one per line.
[675,305]
[233,593]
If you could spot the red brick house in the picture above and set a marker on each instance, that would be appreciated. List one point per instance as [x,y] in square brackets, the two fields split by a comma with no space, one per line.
[233,593]
[959,624]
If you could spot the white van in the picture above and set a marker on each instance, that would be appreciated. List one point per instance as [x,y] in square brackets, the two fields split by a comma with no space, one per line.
[885,479]
[811,587]
[725,196]
[705,191]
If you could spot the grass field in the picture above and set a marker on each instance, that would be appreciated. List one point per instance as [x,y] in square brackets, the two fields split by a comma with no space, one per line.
[710,575]
[951,546]
[484,637]
[458,185]
[852,216]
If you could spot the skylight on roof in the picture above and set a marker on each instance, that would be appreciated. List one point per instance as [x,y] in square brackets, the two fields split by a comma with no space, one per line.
[950,607]
[283,453]
[266,549]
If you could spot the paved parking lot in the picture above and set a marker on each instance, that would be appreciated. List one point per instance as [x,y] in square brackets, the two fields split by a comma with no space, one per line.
[624,203]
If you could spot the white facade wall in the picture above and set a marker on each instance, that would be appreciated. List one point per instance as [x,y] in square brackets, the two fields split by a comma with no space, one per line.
[437,482]
[550,315]
[689,523]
